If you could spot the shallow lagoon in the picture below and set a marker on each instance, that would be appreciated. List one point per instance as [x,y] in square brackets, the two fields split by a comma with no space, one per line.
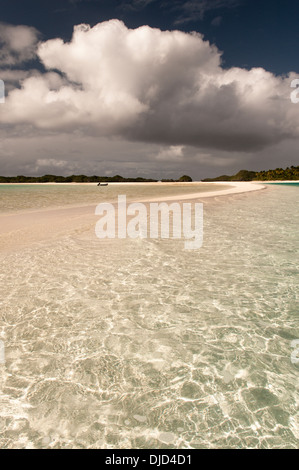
[142,344]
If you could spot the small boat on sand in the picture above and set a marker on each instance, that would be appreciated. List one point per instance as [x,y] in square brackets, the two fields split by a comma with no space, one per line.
[102,184]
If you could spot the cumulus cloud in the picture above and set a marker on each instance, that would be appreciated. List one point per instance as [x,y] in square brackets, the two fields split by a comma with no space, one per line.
[14,77]
[17,44]
[148,85]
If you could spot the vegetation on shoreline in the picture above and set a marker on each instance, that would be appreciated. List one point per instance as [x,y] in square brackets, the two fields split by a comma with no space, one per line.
[83,179]
[289,174]
[182,179]
[280,174]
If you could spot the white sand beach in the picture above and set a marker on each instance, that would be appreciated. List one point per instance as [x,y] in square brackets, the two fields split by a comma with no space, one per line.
[235,188]
[25,227]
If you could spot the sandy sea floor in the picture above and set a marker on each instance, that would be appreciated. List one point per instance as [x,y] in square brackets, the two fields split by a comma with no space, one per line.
[24,220]
[139,343]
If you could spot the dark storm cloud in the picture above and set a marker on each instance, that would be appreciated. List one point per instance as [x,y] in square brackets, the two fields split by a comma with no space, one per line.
[165,88]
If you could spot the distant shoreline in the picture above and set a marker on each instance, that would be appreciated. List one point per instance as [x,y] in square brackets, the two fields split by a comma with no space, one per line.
[29,226]
[156,183]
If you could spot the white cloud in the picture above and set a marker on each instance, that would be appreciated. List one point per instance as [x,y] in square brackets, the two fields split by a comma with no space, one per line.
[17,43]
[165,88]
[156,86]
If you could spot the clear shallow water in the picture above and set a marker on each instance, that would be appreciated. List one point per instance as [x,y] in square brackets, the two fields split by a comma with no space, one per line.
[141,344]
[286,184]
[20,197]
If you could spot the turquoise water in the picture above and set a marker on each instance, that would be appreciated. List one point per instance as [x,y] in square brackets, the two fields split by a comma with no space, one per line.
[21,197]
[142,344]
[286,184]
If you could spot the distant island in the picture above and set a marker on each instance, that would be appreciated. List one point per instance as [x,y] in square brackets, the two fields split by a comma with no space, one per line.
[289,174]
[280,174]
[86,179]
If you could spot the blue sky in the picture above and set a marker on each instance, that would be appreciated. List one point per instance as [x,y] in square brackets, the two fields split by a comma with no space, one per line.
[251,33]
[234,110]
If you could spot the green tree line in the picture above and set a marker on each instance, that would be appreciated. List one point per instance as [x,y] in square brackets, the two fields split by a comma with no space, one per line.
[82,179]
[280,174]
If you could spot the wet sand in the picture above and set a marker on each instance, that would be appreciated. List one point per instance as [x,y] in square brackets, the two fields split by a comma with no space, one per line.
[22,229]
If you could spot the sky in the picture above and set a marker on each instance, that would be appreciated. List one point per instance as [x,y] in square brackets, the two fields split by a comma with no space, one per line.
[148,88]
